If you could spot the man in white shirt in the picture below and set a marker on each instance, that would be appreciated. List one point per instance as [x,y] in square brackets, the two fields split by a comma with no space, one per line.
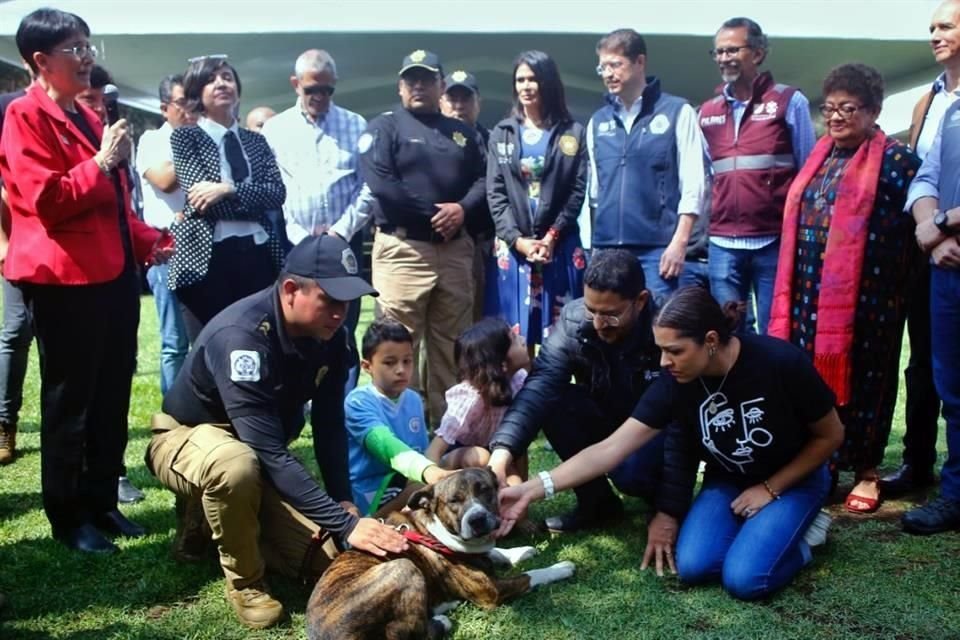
[315,143]
[162,202]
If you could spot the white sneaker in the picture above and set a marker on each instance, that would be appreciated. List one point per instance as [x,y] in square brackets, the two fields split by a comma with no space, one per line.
[816,533]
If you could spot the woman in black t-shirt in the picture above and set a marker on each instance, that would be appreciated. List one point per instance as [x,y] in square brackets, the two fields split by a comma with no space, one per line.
[756,411]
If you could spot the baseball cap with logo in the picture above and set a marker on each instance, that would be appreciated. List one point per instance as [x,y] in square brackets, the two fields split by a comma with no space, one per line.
[461,78]
[331,262]
[420,58]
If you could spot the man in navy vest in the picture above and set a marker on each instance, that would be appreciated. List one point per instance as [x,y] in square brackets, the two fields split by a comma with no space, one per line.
[647,175]
[934,200]
[759,134]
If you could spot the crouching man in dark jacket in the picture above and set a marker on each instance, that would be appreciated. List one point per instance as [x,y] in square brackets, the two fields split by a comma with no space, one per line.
[604,341]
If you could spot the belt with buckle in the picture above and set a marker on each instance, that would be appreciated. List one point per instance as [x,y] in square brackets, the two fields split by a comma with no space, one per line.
[414,233]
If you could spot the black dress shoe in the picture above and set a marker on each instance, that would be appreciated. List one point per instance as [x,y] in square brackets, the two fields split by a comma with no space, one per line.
[585,518]
[905,479]
[87,539]
[938,515]
[115,523]
[127,493]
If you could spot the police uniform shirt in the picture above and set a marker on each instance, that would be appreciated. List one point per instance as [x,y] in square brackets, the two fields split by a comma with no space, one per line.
[246,371]
[412,161]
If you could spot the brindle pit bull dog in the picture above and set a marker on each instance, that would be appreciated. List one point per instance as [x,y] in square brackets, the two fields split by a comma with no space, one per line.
[451,557]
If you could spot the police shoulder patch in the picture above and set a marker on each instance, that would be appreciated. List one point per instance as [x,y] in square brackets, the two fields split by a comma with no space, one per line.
[364,143]
[244,366]
[568,145]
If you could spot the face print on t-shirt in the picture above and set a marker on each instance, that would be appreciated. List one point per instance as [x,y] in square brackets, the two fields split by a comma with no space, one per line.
[732,432]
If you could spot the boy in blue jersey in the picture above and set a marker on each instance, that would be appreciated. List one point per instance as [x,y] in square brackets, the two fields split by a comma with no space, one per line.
[385,422]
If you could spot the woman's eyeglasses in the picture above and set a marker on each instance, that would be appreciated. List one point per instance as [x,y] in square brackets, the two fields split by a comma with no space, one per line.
[81,50]
[845,110]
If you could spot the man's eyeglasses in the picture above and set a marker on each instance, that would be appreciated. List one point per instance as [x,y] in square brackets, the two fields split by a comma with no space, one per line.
[319,90]
[727,51]
[179,102]
[81,50]
[846,110]
[213,56]
[613,65]
[605,319]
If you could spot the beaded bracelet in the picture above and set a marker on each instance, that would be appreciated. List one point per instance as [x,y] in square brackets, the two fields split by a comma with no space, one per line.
[773,494]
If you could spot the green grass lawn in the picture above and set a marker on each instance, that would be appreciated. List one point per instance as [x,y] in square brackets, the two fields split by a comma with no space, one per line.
[869,581]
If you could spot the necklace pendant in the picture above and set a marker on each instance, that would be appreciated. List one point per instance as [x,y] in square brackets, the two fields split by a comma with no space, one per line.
[820,203]
[712,408]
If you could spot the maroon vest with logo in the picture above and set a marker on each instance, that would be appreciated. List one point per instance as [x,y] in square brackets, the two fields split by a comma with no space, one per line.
[752,167]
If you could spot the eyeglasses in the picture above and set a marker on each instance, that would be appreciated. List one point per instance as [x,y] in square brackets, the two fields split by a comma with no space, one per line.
[179,102]
[320,90]
[727,51]
[213,56]
[846,110]
[613,65]
[81,50]
[606,319]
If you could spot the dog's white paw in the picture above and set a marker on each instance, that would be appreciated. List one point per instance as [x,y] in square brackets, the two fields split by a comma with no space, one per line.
[512,557]
[443,621]
[445,607]
[553,573]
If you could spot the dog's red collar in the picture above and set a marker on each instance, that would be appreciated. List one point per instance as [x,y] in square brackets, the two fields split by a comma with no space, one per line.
[427,541]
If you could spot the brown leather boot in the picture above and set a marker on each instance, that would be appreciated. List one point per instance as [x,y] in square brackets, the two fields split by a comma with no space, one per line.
[8,443]
[254,605]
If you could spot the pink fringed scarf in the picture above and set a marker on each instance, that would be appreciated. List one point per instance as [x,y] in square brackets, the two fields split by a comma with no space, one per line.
[842,260]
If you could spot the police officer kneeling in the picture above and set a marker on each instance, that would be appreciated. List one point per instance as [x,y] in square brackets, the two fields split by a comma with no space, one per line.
[221,443]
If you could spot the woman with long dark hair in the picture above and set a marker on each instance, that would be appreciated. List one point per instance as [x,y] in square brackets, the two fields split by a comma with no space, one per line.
[756,411]
[536,183]
[227,247]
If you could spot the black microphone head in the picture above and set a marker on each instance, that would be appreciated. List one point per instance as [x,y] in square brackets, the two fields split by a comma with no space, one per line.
[111,97]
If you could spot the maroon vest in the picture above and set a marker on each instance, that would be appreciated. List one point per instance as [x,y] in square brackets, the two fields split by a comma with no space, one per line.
[752,168]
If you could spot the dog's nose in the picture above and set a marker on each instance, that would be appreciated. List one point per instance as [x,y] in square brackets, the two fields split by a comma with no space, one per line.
[482,523]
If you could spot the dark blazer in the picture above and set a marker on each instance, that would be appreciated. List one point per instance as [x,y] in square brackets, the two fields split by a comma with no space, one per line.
[563,185]
[196,158]
[64,215]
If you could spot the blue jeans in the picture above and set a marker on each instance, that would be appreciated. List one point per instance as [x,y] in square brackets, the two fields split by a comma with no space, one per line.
[752,557]
[173,333]
[15,338]
[734,273]
[944,322]
[639,475]
[661,288]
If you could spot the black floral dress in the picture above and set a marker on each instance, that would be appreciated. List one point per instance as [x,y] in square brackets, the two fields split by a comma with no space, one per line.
[890,261]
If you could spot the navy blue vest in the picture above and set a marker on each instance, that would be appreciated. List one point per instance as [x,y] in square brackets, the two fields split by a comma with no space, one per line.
[949,185]
[638,185]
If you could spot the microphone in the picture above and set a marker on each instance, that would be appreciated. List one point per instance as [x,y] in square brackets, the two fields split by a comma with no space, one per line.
[111,102]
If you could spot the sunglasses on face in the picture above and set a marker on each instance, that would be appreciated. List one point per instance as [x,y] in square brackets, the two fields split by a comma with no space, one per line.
[319,90]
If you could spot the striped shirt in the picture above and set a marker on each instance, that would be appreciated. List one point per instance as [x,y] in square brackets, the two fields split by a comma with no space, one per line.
[318,162]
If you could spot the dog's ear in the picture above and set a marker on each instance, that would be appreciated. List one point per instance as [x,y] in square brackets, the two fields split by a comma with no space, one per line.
[422,499]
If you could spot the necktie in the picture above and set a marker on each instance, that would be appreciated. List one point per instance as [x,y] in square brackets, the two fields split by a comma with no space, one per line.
[238,164]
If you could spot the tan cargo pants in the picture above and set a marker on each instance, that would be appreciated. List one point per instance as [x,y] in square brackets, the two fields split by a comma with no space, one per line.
[429,289]
[251,525]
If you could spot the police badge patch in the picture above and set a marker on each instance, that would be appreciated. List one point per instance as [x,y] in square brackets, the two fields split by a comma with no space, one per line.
[364,143]
[349,261]
[244,366]
[459,76]
[568,145]
[459,138]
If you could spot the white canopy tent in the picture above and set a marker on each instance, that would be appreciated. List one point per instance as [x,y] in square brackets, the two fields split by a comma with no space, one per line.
[143,41]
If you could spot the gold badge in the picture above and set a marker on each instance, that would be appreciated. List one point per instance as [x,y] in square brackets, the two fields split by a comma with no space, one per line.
[321,374]
[264,328]
[459,138]
[418,55]
[458,76]
[569,145]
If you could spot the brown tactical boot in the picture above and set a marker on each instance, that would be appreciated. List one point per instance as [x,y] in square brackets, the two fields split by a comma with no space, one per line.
[192,541]
[255,607]
[8,443]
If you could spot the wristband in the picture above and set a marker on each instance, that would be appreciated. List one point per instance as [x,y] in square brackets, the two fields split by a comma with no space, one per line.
[773,494]
[548,488]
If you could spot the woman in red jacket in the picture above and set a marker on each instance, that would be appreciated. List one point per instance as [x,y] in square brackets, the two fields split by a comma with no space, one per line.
[74,251]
